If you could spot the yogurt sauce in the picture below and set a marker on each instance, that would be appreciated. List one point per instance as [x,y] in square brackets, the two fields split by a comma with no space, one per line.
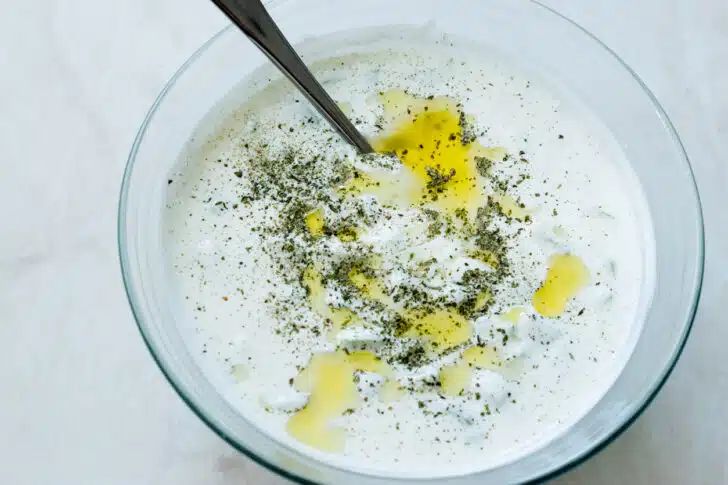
[443,307]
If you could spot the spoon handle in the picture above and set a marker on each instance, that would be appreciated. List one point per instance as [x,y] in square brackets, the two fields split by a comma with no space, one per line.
[253,19]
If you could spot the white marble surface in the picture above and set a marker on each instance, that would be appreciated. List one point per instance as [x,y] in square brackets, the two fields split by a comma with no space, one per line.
[81,401]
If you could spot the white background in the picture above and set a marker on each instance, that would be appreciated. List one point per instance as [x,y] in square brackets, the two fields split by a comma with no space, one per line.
[81,401]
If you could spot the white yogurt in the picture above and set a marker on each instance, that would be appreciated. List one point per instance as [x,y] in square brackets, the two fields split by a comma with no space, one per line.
[582,200]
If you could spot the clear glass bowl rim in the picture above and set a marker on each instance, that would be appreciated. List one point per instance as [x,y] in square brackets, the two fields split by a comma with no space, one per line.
[169,373]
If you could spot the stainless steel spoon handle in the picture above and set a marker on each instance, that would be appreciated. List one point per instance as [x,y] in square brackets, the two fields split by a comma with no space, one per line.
[253,19]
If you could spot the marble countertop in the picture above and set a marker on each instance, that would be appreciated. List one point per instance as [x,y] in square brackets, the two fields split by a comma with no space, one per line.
[82,402]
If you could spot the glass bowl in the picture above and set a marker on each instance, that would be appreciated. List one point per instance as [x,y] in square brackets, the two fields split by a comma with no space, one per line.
[549,44]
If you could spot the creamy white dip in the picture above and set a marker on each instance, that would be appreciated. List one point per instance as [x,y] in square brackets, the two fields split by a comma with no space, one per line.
[306,266]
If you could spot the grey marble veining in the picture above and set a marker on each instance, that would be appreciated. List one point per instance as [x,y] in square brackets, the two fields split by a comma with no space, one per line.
[81,401]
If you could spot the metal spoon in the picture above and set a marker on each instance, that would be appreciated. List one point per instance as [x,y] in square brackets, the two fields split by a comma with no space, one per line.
[253,19]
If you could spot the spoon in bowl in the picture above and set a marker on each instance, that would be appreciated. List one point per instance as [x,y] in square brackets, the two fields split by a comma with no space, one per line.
[255,21]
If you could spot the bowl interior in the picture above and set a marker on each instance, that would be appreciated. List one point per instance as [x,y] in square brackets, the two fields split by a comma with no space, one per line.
[532,36]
